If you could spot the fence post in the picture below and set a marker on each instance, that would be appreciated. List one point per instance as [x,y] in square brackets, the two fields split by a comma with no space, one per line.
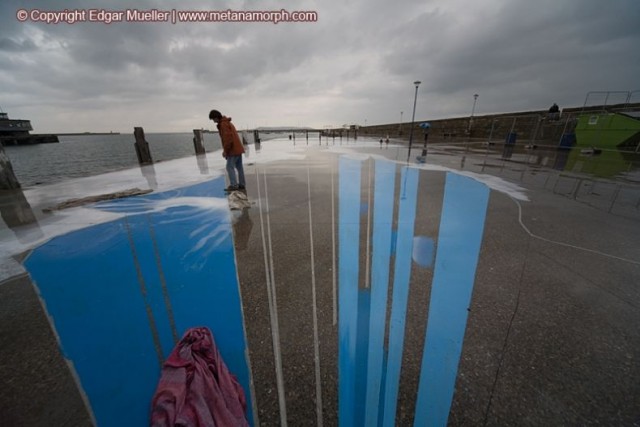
[142,147]
[8,180]
[198,143]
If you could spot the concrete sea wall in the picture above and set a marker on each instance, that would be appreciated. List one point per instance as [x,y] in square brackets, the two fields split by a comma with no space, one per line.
[531,126]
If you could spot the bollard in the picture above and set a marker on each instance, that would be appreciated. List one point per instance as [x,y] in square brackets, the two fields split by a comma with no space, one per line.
[8,180]
[142,147]
[198,144]
[425,128]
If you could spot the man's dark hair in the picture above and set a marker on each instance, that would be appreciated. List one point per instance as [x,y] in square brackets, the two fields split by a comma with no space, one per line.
[215,114]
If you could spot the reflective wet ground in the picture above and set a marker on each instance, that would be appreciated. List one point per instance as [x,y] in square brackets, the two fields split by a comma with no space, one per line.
[482,287]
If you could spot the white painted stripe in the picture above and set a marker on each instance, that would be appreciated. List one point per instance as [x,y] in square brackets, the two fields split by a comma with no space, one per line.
[316,343]
[333,241]
[273,311]
[247,353]
[568,245]
[367,269]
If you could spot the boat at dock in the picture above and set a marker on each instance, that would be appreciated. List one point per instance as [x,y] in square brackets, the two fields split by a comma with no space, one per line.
[16,132]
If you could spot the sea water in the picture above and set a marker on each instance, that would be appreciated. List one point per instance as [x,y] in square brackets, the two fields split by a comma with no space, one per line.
[84,155]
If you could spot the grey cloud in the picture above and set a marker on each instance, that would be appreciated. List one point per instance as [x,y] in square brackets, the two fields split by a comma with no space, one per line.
[357,62]
[10,45]
[539,50]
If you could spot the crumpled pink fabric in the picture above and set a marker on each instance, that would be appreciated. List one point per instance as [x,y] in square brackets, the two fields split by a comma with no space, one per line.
[196,388]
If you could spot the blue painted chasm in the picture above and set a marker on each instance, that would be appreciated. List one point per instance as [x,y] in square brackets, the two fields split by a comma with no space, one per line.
[103,288]
[348,238]
[369,370]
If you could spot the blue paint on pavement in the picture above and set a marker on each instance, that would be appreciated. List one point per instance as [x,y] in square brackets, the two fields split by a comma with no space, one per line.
[349,244]
[364,305]
[402,275]
[385,176]
[103,288]
[460,237]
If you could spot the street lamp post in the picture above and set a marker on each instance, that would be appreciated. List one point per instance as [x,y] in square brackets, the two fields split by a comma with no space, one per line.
[413,118]
[400,127]
[475,98]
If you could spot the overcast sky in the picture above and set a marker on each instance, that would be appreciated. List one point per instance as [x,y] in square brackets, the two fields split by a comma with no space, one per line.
[357,63]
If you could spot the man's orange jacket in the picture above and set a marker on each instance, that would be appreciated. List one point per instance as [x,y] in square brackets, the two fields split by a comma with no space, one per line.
[231,144]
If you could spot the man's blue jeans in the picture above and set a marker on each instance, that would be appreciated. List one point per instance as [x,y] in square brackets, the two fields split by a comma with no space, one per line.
[235,163]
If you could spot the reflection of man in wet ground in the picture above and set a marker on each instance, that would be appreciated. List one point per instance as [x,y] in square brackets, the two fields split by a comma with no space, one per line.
[239,204]
[242,226]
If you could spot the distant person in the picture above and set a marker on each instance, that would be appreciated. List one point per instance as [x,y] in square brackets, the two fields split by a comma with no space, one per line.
[554,112]
[232,150]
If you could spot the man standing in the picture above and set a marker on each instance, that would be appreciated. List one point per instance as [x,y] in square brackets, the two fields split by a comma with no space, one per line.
[232,149]
[554,112]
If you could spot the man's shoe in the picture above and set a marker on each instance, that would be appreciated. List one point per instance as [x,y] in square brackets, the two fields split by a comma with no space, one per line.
[241,187]
[231,188]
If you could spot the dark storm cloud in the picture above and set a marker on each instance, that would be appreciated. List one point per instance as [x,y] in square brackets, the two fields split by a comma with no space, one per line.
[536,50]
[357,62]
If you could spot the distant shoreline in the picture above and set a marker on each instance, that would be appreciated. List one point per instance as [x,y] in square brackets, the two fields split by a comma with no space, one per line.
[88,133]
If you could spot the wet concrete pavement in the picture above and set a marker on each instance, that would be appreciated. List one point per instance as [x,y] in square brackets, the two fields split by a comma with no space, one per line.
[37,387]
[550,336]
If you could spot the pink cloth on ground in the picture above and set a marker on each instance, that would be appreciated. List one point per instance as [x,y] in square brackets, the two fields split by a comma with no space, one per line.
[196,388]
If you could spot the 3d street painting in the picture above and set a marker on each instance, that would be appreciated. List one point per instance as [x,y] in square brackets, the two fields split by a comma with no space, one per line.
[120,294]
